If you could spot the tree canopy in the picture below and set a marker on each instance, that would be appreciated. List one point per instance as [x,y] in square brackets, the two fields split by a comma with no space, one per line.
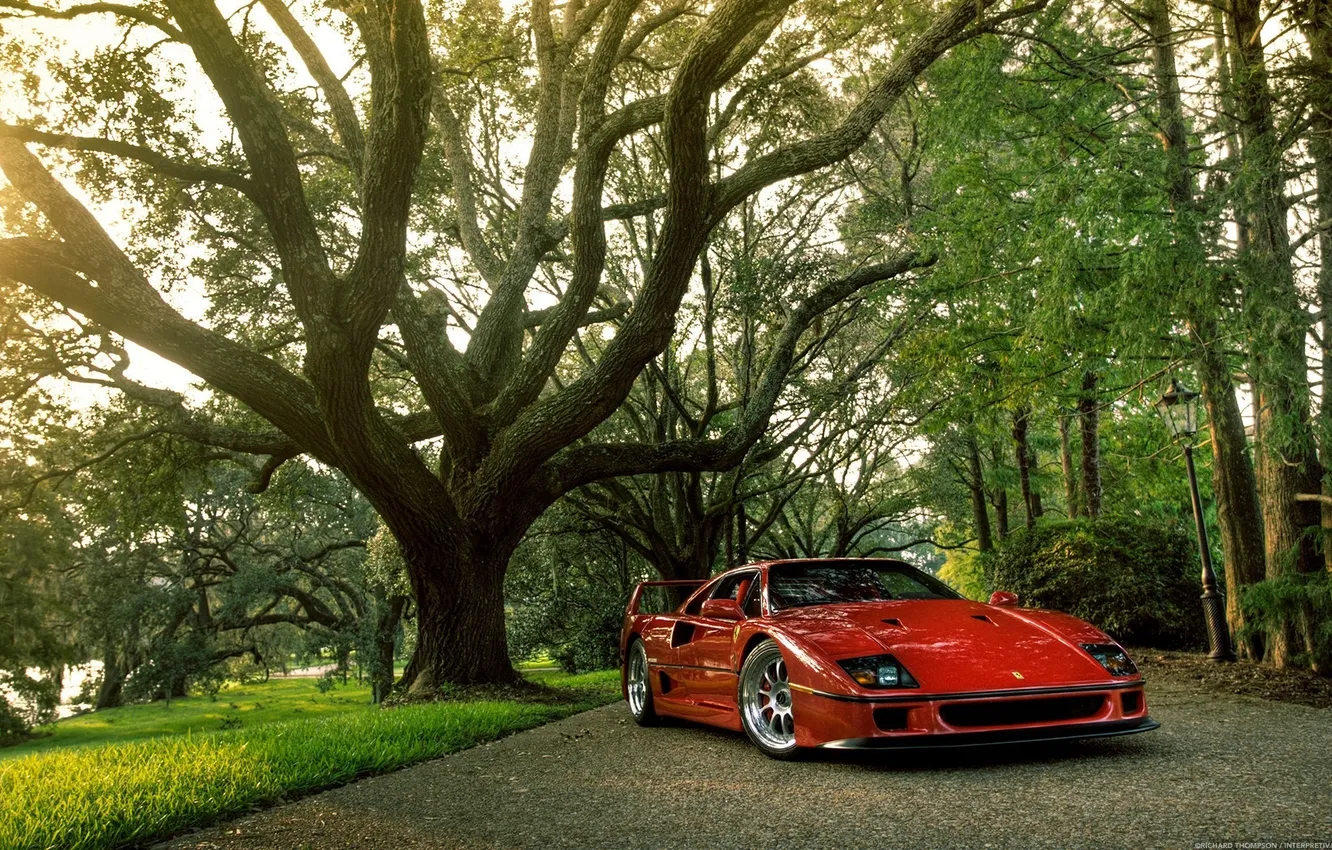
[706,281]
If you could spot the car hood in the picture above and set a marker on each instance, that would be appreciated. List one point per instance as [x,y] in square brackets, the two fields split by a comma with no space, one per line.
[950,645]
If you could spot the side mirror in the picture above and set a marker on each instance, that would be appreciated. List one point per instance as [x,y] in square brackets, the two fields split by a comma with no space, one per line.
[722,609]
[1004,599]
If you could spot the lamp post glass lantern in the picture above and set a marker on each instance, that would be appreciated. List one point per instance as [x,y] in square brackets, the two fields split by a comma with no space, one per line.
[1179,409]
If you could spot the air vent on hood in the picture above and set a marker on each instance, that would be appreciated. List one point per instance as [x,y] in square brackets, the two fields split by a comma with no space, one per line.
[893,621]
[983,618]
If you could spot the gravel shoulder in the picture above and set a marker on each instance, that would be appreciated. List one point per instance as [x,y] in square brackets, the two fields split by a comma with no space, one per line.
[1242,677]
[1220,769]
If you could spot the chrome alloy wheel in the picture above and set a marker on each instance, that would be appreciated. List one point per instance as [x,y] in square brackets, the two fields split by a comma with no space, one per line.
[638,680]
[765,694]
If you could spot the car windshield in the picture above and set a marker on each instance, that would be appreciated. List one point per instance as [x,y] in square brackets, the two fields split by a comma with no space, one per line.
[829,582]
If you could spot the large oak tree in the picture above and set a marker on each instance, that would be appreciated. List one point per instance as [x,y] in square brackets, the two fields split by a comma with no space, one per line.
[338,211]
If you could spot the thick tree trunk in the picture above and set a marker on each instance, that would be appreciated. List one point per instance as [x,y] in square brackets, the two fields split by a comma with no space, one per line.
[1278,326]
[1317,26]
[980,514]
[1066,465]
[1323,160]
[1319,31]
[111,693]
[684,565]
[1022,451]
[386,634]
[1089,418]
[461,635]
[1233,484]
[1290,549]
[1233,479]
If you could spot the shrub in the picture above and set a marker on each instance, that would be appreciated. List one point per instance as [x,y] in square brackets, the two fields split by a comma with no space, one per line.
[580,630]
[1302,599]
[565,593]
[593,636]
[13,728]
[1136,579]
[25,702]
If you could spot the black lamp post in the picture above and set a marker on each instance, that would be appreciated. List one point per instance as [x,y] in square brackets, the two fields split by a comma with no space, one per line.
[1179,409]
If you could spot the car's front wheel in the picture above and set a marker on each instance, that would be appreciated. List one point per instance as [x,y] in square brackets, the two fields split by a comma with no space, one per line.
[638,686]
[765,701]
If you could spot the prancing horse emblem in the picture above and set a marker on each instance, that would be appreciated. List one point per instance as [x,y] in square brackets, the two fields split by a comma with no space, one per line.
[1017,675]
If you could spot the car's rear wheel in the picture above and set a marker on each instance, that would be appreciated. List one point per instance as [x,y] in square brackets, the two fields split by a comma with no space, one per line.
[638,686]
[765,701]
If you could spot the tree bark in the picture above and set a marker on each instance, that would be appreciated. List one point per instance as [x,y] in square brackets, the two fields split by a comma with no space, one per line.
[1278,327]
[111,693]
[1233,481]
[461,635]
[386,634]
[1089,418]
[980,513]
[1316,22]
[1066,466]
[1234,486]
[1022,451]
[999,495]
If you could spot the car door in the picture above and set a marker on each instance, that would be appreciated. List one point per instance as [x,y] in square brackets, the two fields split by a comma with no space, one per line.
[665,637]
[705,658]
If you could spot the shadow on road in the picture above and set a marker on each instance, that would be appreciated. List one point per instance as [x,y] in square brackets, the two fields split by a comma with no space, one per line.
[957,758]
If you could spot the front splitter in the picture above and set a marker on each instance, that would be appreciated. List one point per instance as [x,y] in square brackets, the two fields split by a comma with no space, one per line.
[1073,732]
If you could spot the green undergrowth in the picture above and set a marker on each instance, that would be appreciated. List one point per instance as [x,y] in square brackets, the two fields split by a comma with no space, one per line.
[119,794]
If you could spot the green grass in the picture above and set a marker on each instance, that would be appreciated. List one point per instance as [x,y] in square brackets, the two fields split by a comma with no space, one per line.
[247,705]
[82,797]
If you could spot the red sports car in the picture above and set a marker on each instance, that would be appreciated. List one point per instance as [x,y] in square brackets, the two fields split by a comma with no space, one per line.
[872,653]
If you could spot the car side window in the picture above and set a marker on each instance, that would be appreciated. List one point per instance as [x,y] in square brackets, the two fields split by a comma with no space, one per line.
[753,605]
[697,602]
[734,587]
[737,587]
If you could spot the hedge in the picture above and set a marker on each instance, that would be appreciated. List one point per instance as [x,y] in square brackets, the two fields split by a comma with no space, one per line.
[1136,579]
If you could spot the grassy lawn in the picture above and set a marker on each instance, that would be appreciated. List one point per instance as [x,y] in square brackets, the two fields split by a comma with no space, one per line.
[141,776]
[236,706]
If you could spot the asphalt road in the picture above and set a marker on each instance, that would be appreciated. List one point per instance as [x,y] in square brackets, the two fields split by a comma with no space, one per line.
[1220,771]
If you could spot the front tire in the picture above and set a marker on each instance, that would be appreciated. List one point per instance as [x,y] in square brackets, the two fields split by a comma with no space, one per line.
[765,702]
[638,685]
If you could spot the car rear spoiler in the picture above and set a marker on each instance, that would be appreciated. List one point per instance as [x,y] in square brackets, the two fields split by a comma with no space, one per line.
[637,596]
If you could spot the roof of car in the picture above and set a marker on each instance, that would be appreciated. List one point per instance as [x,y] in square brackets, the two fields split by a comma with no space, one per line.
[777,561]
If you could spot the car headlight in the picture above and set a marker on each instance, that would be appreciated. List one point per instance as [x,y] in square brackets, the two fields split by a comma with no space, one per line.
[1112,657]
[878,671]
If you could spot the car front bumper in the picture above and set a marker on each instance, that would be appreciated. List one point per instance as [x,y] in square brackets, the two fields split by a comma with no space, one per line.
[906,720]
[1026,735]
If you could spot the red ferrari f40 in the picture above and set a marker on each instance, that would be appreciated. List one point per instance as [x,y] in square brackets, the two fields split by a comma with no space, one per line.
[872,653]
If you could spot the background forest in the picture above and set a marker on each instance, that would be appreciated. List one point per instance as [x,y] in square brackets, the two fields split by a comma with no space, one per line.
[947,258]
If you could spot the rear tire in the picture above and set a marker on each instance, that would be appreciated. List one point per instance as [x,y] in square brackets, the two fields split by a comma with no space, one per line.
[638,685]
[764,700]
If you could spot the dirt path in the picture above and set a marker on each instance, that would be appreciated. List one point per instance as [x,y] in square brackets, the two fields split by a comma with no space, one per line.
[1221,769]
